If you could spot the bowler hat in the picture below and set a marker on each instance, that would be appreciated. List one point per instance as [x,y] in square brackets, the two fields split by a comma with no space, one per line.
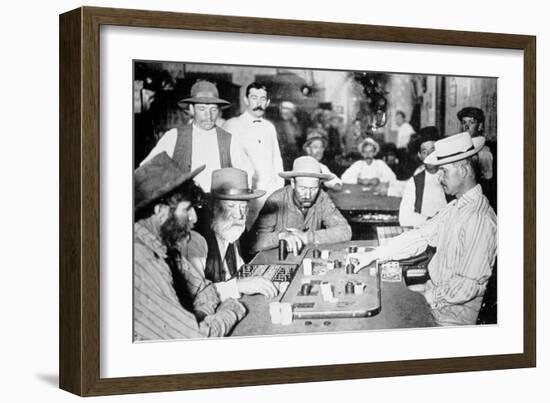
[454,148]
[157,178]
[204,92]
[232,184]
[307,167]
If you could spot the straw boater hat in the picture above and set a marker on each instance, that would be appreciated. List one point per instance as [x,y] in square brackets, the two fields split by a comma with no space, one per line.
[204,92]
[367,141]
[455,148]
[311,137]
[157,178]
[307,167]
[232,184]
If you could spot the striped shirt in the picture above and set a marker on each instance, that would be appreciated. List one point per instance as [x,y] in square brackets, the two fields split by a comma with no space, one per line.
[158,313]
[465,235]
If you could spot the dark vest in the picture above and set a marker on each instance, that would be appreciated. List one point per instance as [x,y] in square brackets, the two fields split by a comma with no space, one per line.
[214,261]
[183,151]
[419,183]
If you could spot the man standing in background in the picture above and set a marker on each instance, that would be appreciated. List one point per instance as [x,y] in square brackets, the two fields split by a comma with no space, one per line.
[259,139]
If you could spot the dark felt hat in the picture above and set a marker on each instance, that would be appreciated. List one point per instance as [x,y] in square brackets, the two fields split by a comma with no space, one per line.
[232,184]
[428,133]
[157,178]
[471,112]
[204,92]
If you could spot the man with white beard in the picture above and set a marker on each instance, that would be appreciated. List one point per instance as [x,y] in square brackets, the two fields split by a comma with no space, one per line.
[217,254]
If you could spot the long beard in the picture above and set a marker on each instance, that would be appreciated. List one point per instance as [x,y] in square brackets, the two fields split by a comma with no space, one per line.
[228,229]
[174,229]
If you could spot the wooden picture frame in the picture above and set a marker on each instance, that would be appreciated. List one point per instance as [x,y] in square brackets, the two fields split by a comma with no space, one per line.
[80,199]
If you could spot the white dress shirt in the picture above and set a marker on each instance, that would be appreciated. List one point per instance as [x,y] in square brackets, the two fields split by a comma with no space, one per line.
[205,151]
[259,139]
[433,200]
[361,170]
[334,181]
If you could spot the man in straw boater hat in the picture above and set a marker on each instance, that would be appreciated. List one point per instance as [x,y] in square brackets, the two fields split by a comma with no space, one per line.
[217,255]
[300,213]
[202,142]
[423,195]
[315,146]
[369,171]
[172,300]
[464,234]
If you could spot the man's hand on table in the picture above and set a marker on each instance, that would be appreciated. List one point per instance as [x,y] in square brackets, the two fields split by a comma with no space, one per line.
[257,285]
[295,240]
[363,259]
[372,182]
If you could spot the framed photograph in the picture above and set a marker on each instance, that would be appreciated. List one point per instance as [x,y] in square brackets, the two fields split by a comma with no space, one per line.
[240,203]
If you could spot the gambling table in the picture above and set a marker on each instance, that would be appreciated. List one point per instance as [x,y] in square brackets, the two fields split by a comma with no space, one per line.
[399,307]
[365,209]
[359,198]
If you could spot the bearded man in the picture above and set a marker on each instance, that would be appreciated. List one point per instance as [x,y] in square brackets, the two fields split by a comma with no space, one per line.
[172,300]
[217,255]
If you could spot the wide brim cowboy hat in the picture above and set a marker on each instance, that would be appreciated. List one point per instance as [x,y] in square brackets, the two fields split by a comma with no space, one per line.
[232,184]
[157,178]
[204,92]
[307,167]
[454,148]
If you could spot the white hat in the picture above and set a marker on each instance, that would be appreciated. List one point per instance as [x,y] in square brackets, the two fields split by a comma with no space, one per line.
[307,167]
[369,141]
[454,148]
[288,105]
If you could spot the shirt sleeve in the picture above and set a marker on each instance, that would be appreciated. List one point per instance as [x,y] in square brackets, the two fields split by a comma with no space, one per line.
[228,289]
[336,229]
[477,249]
[167,144]
[228,313]
[334,181]
[411,243]
[407,215]
[217,319]
[351,174]
[385,173]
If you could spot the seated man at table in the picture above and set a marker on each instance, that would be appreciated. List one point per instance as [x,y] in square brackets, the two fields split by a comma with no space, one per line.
[300,213]
[464,234]
[171,299]
[315,146]
[423,195]
[217,255]
[369,171]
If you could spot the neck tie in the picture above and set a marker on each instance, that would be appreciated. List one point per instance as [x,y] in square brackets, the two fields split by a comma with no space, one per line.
[256,121]
[231,259]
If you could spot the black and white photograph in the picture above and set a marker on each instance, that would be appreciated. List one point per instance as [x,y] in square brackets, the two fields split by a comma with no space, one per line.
[278,200]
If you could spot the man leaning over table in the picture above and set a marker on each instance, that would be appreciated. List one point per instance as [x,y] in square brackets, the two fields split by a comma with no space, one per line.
[464,234]
[300,213]
[217,254]
[172,300]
